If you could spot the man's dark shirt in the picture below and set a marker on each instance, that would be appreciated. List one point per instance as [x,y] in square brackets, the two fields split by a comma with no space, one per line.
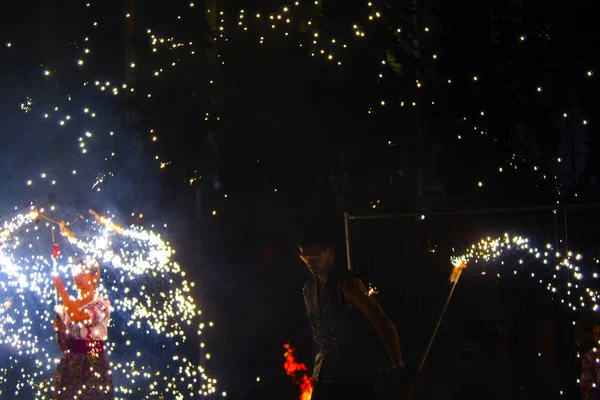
[343,336]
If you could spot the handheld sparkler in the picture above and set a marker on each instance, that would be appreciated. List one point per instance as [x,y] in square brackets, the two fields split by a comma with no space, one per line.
[55,246]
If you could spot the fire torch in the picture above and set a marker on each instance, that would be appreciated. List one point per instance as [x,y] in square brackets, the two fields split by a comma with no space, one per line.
[459,264]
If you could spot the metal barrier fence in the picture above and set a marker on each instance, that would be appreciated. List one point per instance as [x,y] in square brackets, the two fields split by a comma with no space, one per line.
[406,258]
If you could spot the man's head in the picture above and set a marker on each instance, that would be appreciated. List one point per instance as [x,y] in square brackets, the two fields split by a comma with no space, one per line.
[317,245]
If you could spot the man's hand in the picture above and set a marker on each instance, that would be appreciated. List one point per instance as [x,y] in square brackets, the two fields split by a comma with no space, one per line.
[394,382]
[402,382]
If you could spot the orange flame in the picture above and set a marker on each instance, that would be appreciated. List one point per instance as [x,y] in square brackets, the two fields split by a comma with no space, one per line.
[294,369]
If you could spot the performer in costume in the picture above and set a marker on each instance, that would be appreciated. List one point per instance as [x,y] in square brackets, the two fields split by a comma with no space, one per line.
[342,316]
[81,328]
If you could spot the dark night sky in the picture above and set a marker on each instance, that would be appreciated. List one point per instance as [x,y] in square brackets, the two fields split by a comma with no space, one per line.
[305,120]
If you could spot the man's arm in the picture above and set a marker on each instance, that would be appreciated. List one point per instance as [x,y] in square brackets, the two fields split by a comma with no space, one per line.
[356,292]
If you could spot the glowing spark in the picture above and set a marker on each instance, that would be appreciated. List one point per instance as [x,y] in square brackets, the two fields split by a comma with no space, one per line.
[149,292]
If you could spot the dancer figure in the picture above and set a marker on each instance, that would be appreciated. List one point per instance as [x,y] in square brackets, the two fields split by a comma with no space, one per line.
[343,315]
[81,328]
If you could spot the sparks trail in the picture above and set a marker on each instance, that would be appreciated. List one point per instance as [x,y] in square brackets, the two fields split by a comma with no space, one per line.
[581,291]
[552,269]
[298,373]
[153,307]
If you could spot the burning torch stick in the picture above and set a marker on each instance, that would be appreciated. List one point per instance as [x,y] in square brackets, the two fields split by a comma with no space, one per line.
[61,224]
[459,264]
[104,221]
[36,215]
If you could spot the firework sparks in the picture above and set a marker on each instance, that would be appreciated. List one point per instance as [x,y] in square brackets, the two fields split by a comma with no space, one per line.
[492,249]
[577,289]
[154,317]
